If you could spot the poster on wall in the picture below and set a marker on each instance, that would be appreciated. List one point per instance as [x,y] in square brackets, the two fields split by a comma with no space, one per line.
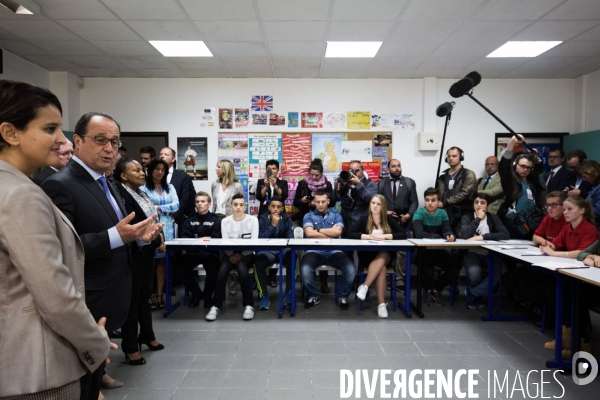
[208,118]
[359,119]
[312,119]
[263,147]
[382,121]
[275,119]
[293,120]
[296,149]
[371,169]
[242,116]
[404,122]
[382,140]
[334,120]
[225,118]
[292,181]
[259,119]
[192,157]
[234,147]
[328,147]
[356,150]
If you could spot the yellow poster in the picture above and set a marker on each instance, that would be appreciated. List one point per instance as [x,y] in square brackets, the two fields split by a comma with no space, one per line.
[359,119]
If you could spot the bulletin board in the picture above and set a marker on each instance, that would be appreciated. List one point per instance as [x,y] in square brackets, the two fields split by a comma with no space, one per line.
[541,141]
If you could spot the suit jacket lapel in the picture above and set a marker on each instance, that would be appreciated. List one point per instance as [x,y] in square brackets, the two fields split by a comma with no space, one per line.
[90,184]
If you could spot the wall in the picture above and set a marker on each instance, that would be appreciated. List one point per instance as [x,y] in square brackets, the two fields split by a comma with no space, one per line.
[175,106]
[592,102]
[18,69]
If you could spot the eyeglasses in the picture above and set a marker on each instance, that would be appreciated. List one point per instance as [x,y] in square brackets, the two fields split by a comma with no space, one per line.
[524,167]
[553,205]
[101,140]
[490,164]
[67,154]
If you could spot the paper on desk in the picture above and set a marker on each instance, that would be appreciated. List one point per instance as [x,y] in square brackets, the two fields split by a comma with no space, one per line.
[435,240]
[554,265]
[533,253]
[277,241]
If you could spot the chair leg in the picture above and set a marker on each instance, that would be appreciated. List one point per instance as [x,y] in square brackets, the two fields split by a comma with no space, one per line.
[185,297]
[394,289]
[362,280]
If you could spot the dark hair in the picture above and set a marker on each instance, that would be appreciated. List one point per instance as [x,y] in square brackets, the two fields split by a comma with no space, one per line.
[591,168]
[273,162]
[204,194]
[163,182]
[238,196]
[555,149]
[580,154]
[321,192]
[483,196]
[148,150]
[121,167]
[316,164]
[20,102]
[562,195]
[277,198]
[84,120]
[430,191]
[123,148]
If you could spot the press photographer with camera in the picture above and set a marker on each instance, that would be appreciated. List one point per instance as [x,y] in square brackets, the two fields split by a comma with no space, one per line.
[354,191]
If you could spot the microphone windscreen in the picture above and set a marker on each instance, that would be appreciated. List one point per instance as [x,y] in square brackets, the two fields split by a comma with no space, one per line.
[444,109]
[461,87]
[475,76]
[298,233]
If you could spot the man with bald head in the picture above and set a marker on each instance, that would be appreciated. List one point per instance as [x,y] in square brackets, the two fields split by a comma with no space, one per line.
[400,193]
[491,185]
[65,152]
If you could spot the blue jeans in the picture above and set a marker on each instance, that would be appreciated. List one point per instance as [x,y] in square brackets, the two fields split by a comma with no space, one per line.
[338,260]
[478,281]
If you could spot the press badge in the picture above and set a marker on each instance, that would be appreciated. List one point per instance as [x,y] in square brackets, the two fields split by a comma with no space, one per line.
[451,184]
[529,194]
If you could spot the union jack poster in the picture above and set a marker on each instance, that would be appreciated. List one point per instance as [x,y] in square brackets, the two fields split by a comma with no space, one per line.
[262,103]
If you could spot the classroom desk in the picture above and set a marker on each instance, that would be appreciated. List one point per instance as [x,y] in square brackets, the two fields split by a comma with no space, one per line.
[527,256]
[351,245]
[222,245]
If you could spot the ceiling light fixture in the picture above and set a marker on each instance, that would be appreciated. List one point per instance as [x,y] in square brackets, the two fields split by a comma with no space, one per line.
[179,48]
[352,49]
[23,7]
[523,49]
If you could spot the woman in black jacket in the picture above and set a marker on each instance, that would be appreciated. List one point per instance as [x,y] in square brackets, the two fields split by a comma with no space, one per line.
[378,225]
[481,225]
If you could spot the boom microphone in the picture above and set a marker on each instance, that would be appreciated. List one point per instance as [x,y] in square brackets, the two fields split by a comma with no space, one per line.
[465,85]
[445,109]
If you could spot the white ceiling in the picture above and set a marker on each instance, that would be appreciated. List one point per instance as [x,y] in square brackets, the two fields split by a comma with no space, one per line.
[286,38]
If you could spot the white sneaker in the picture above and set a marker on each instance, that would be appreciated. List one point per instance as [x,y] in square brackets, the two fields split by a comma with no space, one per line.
[361,293]
[212,314]
[248,313]
[382,310]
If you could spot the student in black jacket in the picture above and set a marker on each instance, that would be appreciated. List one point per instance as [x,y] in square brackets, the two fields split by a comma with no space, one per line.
[201,224]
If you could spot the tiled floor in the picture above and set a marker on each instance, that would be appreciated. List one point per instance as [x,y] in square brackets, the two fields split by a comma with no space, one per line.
[301,357]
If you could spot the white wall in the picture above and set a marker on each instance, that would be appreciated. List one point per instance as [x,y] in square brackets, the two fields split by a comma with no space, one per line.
[175,106]
[19,69]
[592,102]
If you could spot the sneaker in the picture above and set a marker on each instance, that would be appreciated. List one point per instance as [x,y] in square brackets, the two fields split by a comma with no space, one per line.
[437,298]
[472,301]
[401,288]
[212,314]
[287,299]
[479,303]
[382,310]
[313,301]
[264,303]
[426,298]
[248,313]
[343,304]
[361,293]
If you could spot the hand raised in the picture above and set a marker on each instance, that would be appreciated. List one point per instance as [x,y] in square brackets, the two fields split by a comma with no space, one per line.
[130,233]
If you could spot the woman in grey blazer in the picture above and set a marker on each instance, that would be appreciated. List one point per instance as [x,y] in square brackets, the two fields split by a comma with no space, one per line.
[223,189]
[48,338]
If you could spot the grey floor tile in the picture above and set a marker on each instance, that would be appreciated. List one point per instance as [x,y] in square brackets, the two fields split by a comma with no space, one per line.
[427,337]
[251,361]
[326,380]
[150,394]
[293,336]
[204,379]
[288,379]
[287,394]
[393,337]
[173,362]
[224,336]
[254,379]
[437,349]
[218,348]
[290,362]
[329,362]
[195,394]
[212,362]
[325,394]
[189,336]
[257,348]
[473,349]
[401,349]
[333,348]
[359,336]
[240,393]
[365,349]
[258,336]
[291,348]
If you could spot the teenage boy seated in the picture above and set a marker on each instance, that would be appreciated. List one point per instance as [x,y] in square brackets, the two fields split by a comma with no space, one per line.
[201,224]
[554,221]
[236,226]
[273,225]
[481,225]
[323,224]
[432,222]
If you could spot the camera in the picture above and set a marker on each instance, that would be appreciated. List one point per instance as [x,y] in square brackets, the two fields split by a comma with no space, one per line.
[310,197]
[346,175]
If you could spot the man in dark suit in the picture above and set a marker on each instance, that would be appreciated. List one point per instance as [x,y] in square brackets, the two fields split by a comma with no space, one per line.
[96,210]
[64,155]
[559,177]
[580,187]
[270,186]
[400,193]
[183,186]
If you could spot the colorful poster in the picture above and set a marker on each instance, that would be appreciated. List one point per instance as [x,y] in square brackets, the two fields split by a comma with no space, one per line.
[384,172]
[297,149]
[356,150]
[259,119]
[253,203]
[263,147]
[293,120]
[312,120]
[404,121]
[334,120]
[262,103]
[275,119]
[359,119]
[382,140]
[382,121]
[234,147]
[292,181]
[371,169]
[328,147]
[192,157]
[208,118]
[225,118]
[241,117]
[379,152]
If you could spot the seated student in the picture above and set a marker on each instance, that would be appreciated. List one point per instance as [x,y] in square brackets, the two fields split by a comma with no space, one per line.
[236,226]
[321,223]
[274,224]
[377,225]
[432,222]
[589,297]
[201,224]
[554,221]
[481,225]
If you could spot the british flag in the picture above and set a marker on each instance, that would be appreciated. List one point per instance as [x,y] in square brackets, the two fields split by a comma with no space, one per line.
[262,103]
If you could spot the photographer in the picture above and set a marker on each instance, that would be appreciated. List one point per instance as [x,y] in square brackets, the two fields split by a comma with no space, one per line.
[270,186]
[354,191]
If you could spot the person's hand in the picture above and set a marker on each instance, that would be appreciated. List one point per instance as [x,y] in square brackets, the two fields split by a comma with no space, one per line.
[480,214]
[152,231]
[547,250]
[440,204]
[130,233]
[273,181]
[354,180]
[305,200]
[113,346]
[476,238]
[405,218]
[377,237]
[392,213]
[235,258]
[275,219]
[450,238]
[573,191]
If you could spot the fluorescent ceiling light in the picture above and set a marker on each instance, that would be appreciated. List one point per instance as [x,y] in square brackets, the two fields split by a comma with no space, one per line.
[352,49]
[523,49]
[21,6]
[179,48]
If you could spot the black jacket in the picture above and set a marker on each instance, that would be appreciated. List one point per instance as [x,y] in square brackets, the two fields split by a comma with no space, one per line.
[511,182]
[197,226]
[301,191]
[397,232]
[469,224]
[283,230]
[263,209]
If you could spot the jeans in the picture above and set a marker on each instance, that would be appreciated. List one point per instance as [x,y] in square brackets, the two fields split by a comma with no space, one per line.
[478,281]
[265,259]
[185,270]
[242,268]
[338,260]
[445,259]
